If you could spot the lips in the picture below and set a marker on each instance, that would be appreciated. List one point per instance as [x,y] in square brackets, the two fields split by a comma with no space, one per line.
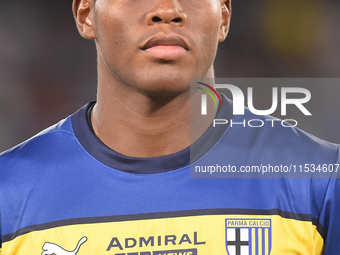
[166,47]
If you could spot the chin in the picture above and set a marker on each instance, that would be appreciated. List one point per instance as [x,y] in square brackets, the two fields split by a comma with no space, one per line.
[165,91]
[164,86]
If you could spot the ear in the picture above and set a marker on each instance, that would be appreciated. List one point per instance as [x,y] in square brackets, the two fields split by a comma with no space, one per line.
[83,15]
[225,22]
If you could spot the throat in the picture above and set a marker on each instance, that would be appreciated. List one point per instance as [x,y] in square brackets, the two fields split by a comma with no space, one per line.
[150,134]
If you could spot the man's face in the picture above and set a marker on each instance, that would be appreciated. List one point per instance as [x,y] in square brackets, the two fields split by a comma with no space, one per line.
[156,46]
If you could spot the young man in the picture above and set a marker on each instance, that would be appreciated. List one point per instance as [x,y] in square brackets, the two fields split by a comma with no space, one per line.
[114,178]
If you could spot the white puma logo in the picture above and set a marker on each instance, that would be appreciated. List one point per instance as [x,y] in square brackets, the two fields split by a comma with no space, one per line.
[51,248]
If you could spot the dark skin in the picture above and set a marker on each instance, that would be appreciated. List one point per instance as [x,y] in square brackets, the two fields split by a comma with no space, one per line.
[147,53]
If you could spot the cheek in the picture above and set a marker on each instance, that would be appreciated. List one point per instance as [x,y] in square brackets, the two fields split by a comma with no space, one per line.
[110,33]
[205,21]
[113,39]
[209,32]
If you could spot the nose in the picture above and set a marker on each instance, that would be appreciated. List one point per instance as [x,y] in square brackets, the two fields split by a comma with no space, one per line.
[166,12]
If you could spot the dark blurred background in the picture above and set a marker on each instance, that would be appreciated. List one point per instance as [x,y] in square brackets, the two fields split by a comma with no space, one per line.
[47,71]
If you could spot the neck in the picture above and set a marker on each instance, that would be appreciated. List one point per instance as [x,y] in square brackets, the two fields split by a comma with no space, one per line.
[137,125]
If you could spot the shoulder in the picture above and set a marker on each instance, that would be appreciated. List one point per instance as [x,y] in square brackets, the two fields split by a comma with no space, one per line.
[40,140]
[273,137]
[46,147]
[261,143]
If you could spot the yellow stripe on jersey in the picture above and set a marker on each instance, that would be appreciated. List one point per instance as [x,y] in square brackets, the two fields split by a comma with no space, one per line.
[189,235]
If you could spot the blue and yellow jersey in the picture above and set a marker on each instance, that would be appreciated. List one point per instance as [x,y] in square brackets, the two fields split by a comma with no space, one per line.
[64,192]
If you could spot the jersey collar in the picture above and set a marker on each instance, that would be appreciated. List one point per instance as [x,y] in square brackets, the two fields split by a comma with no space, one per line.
[94,146]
